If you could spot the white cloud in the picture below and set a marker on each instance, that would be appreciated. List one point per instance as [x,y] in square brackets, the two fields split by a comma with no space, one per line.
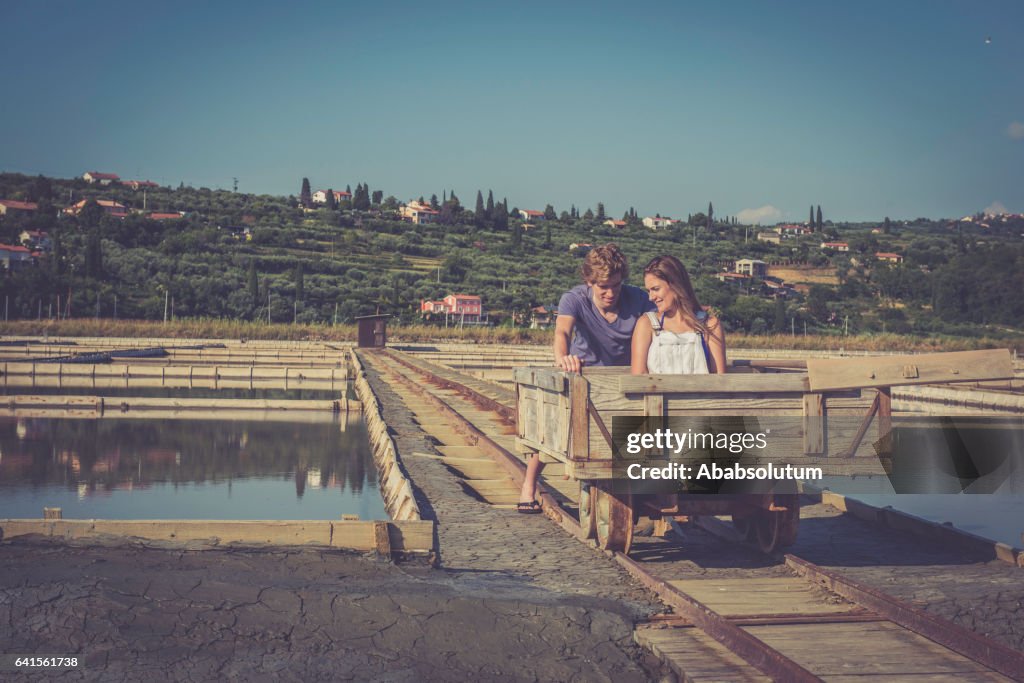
[1015,130]
[763,215]
[995,208]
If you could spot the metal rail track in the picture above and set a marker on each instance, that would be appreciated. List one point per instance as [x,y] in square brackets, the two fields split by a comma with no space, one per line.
[873,605]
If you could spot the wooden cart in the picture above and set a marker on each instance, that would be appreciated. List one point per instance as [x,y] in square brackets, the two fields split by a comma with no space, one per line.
[568,417]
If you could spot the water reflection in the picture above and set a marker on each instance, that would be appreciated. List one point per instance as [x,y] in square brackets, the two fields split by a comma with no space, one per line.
[118,468]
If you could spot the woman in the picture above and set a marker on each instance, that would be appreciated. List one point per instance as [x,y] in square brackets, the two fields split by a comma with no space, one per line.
[680,337]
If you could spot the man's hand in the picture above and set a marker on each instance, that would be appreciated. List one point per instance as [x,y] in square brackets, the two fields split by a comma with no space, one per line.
[569,363]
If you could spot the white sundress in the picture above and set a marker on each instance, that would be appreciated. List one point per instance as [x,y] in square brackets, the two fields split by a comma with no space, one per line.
[673,353]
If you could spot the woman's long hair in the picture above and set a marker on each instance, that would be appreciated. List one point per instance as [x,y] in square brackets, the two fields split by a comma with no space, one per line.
[671,270]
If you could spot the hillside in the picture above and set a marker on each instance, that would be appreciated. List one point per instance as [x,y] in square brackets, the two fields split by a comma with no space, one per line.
[222,254]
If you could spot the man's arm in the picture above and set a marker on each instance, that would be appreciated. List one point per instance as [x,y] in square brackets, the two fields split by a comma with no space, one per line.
[564,325]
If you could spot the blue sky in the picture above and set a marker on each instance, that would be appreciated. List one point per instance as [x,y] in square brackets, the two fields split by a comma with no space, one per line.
[868,109]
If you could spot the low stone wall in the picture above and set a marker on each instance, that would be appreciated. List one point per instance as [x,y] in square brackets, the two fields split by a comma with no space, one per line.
[397,491]
[385,537]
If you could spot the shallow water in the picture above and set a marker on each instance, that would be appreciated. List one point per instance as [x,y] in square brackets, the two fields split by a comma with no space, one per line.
[122,468]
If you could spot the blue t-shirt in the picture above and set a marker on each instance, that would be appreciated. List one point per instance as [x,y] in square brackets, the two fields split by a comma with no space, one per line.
[595,340]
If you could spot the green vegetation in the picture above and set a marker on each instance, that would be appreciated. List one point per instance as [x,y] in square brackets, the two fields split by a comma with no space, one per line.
[245,259]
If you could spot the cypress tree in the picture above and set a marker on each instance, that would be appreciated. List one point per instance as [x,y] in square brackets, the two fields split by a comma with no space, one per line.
[600,211]
[331,203]
[819,218]
[478,213]
[810,220]
[489,211]
[501,217]
[305,196]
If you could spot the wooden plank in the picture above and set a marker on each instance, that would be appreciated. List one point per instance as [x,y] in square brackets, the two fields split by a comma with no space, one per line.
[880,649]
[717,384]
[695,656]
[955,366]
[744,597]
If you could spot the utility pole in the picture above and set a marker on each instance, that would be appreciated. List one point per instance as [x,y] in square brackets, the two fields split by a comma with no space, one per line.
[846,327]
[115,307]
[335,313]
[792,327]
[167,295]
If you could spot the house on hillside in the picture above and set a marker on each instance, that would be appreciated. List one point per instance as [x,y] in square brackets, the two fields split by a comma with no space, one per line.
[93,177]
[888,256]
[770,237]
[732,277]
[614,224]
[658,222]
[320,196]
[13,255]
[791,230]
[541,318]
[12,206]
[836,246]
[456,308]
[140,184]
[527,215]
[109,207]
[580,248]
[418,213]
[35,239]
[165,216]
[751,268]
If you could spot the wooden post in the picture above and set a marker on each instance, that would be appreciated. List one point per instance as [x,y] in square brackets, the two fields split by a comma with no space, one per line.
[381,539]
[884,417]
[814,424]
[579,417]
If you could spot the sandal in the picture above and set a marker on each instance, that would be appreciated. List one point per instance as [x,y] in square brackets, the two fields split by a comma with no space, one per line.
[529,508]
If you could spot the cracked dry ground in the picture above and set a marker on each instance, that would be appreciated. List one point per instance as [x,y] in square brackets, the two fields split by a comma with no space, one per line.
[514,599]
[134,613]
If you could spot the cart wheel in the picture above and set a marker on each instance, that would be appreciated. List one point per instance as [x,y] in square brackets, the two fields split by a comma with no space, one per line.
[778,529]
[587,520]
[613,516]
[745,525]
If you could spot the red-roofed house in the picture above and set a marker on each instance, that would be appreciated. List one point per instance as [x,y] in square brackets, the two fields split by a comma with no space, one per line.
[528,215]
[11,254]
[320,196]
[418,213]
[111,208]
[888,256]
[732,277]
[12,205]
[165,216]
[139,184]
[838,246]
[460,307]
[101,178]
[614,224]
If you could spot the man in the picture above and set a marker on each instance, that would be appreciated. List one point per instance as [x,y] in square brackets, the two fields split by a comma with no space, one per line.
[594,328]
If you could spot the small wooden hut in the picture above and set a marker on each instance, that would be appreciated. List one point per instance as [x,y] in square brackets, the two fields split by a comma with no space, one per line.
[373,330]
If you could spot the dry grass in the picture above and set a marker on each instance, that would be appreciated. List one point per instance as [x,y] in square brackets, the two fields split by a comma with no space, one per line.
[207,328]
